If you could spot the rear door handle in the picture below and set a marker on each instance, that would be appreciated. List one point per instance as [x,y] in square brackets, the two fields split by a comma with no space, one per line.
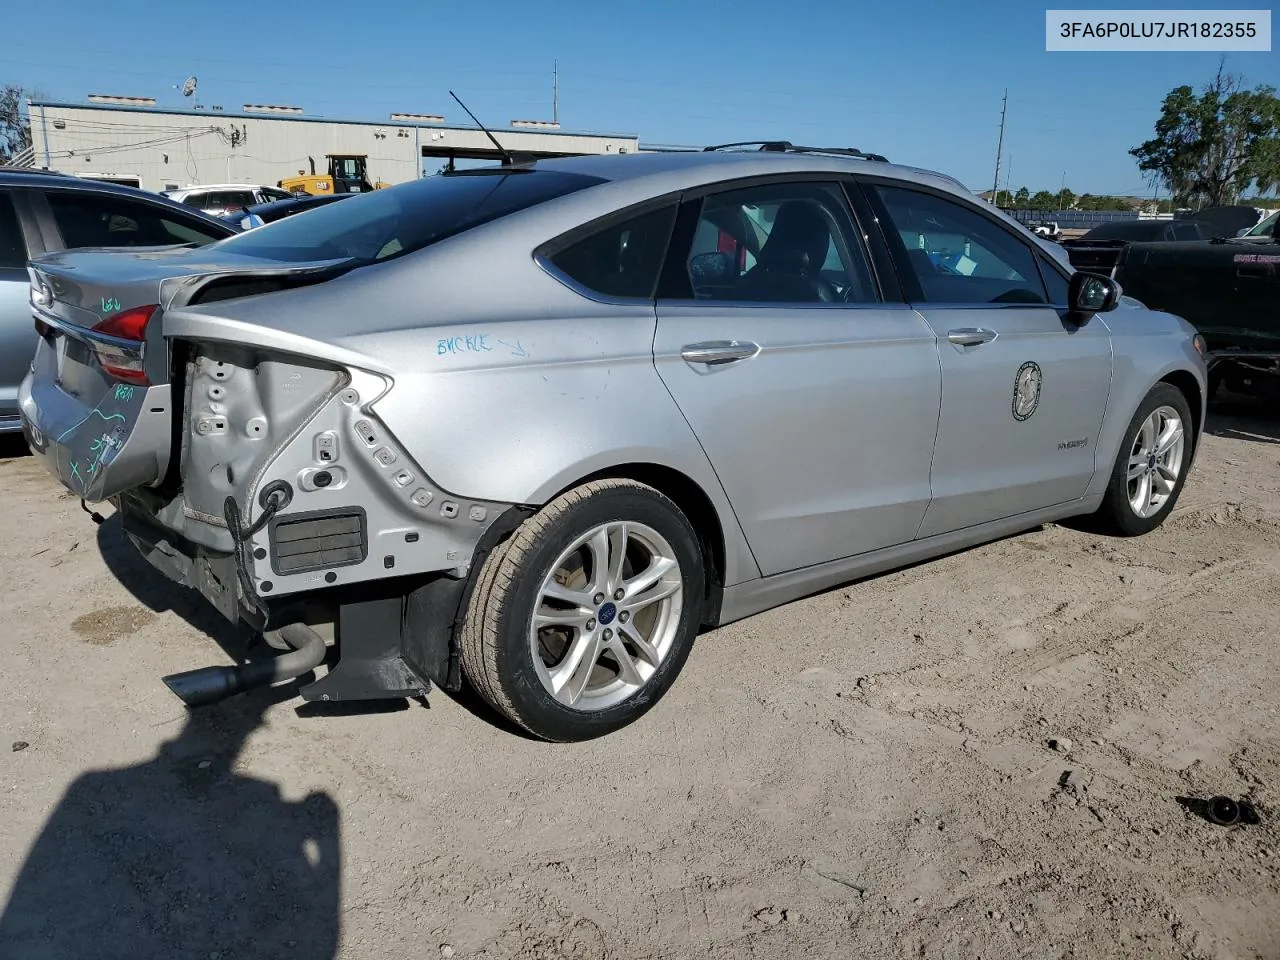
[970,336]
[719,351]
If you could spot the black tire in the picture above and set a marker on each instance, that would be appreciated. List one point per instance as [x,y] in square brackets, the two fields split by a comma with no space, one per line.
[1116,514]
[497,657]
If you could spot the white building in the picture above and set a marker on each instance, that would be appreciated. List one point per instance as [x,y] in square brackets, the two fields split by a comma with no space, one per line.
[132,140]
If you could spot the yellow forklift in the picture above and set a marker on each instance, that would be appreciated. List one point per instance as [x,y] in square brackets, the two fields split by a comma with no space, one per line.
[347,174]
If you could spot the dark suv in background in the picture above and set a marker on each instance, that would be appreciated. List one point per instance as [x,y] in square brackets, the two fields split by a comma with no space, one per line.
[41,212]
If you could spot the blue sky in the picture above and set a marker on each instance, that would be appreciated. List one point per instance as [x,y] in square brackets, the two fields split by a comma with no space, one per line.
[919,82]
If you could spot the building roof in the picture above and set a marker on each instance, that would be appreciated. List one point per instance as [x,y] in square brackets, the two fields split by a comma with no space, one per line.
[315,118]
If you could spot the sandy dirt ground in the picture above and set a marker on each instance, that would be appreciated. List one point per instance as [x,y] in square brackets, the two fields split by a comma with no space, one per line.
[867,773]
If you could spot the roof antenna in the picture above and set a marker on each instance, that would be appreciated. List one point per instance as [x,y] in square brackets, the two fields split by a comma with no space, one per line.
[507,158]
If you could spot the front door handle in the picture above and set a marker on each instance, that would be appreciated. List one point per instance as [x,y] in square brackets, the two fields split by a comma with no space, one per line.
[719,351]
[970,336]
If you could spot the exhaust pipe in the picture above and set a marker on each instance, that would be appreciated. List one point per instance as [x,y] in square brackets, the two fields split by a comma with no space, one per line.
[199,688]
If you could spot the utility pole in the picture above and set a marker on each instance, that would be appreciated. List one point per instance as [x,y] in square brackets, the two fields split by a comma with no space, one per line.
[995,186]
[1062,189]
[555,91]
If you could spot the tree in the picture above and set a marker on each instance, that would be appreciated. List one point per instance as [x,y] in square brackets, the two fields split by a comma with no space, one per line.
[1210,147]
[1066,198]
[15,127]
[1022,196]
[1044,200]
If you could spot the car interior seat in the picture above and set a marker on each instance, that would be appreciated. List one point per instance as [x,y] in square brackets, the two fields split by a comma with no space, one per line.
[789,264]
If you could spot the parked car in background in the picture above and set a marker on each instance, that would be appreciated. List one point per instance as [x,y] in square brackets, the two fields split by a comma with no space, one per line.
[263,213]
[43,212]
[538,424]
[1140,231]
[1048,229]
[1099,249]
[1229,289]
[220,199]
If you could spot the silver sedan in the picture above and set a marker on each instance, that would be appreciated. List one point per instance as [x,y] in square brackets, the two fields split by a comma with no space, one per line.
[536,426]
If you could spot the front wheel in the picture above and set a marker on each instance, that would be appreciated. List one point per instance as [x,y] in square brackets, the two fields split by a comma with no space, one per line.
[580,622]
[1152,465]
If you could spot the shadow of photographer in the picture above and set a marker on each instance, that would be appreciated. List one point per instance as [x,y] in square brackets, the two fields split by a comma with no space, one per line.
[182,856]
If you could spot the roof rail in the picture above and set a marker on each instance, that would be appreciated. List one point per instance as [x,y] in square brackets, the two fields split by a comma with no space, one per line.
[786,146]
[771,145]
[5,168]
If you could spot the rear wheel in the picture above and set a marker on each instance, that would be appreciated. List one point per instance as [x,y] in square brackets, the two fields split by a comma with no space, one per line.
[1151,468]
[581,621]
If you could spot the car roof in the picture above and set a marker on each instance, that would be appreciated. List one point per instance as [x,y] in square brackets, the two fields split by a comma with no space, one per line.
[33,177]
[195,188]
[1122,228]
[712,165]
[52,180]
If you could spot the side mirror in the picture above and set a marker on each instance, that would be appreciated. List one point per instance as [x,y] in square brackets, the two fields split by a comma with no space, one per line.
[1091,293]
[710,268]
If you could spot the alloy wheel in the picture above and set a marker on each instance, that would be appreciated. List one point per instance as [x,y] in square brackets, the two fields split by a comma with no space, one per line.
[1155,461]
[607,615]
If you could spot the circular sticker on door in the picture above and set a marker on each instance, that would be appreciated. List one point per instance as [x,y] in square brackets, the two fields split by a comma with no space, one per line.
[1026,390]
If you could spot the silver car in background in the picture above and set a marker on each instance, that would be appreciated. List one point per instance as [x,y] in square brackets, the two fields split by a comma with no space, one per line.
[538,425]
[42,212]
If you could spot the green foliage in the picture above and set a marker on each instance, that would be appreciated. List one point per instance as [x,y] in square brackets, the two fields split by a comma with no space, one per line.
[15,128]
[1210,147]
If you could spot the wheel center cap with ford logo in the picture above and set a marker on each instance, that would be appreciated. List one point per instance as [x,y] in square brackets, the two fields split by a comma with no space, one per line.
[607,613]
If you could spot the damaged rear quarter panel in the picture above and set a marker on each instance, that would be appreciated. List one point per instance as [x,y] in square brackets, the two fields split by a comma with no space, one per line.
[506,386]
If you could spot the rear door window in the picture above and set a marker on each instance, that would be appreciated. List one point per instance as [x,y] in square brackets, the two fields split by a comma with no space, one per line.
[13,248]
[376,226]
[778,243]
[100,220]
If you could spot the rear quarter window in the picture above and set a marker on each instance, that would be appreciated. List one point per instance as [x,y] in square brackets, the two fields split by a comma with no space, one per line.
[621,260]
[370,227]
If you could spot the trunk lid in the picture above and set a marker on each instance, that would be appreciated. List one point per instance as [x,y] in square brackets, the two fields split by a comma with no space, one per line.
[99,406]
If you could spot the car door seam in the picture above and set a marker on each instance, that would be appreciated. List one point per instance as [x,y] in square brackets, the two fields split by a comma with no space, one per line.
[937,423]
[733,510]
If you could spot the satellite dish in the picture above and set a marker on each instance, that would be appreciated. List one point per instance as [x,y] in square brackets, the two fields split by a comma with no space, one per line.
[188,86]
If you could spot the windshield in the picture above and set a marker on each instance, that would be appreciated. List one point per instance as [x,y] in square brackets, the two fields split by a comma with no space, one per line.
[1128,230]
[387,223]
[1267,228]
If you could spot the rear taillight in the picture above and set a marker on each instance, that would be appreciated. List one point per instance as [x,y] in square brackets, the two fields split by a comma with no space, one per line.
[127,324]
[123,359]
